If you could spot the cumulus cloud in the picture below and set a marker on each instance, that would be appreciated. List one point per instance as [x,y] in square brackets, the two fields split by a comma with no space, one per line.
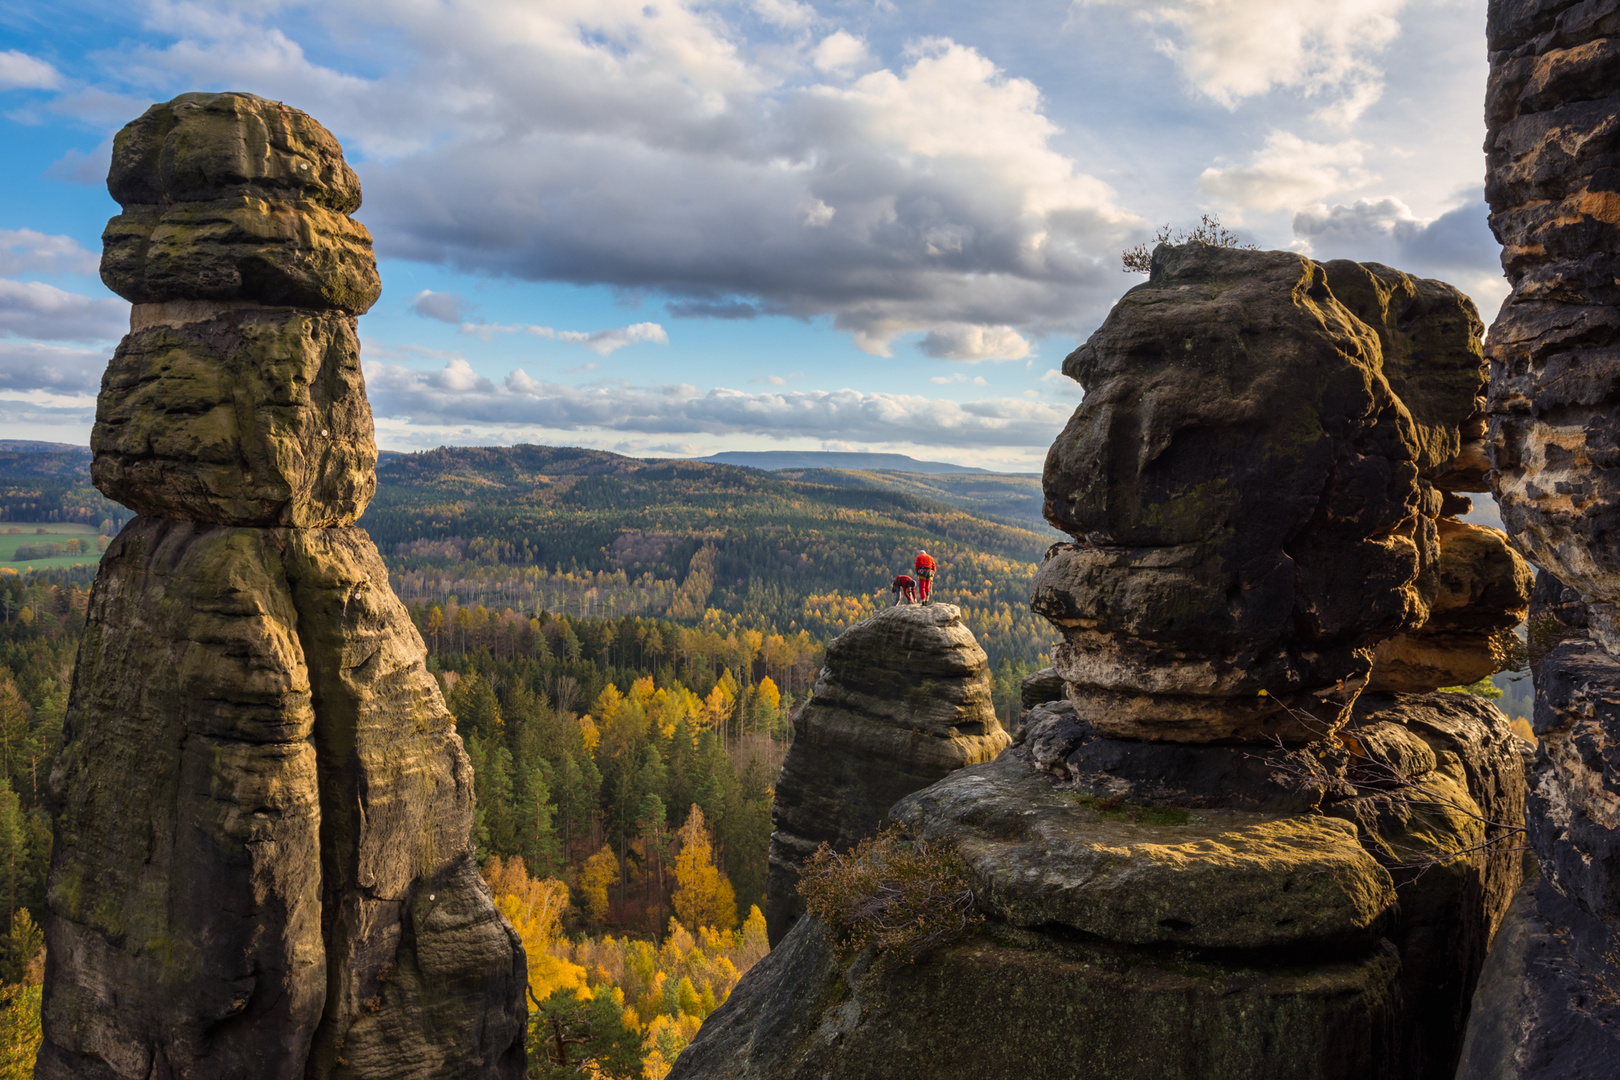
[1386,230]
[29,365]
[1286,172]
[600,342]
[19,71]
[970,342]
[32,309]
[23,250]
[456,394]
[1235,49]
[840,53]
[444,306]
[652,148]
[1456,245]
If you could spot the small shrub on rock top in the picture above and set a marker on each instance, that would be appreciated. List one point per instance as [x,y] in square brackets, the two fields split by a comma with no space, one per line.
[903,897]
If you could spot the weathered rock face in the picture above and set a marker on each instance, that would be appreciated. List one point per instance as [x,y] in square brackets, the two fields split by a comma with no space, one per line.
[229,197]
[903,700]
[1254,484]
[1170,910]
[247,416]
[262,863]
[1552,111]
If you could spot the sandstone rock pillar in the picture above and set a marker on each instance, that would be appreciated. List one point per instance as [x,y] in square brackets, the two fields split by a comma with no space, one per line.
[1547,1006]
[903,700]
[262,864]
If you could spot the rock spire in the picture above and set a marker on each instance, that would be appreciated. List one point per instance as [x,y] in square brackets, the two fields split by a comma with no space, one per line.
[903,700]
[1547,1003]
[262,864]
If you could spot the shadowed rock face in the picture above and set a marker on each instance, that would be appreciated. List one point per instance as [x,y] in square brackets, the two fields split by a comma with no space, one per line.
[903,700]
[1552,109]
[1255,484]
[262,862]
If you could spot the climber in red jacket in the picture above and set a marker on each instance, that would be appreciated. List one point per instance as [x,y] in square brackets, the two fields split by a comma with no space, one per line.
[904,590]
[925,575]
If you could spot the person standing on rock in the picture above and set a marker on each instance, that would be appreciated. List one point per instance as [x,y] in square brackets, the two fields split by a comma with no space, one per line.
[925,575]
[904,589]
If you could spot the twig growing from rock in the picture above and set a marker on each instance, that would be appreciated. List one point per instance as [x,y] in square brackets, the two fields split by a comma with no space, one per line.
[900,896]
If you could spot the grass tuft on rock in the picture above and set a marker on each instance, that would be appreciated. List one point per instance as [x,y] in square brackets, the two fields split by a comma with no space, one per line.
[899,896]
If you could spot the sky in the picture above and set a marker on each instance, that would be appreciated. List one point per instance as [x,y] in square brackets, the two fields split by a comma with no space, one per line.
[679,227]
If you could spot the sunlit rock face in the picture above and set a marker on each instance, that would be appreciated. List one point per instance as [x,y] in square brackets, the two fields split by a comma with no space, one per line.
[1552,108]
[262,862]
[903,700]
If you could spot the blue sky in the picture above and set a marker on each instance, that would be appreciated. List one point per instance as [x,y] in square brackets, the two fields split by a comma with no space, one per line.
[678,227]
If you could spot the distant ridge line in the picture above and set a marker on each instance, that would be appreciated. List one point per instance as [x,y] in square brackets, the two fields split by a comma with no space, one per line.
[771,460]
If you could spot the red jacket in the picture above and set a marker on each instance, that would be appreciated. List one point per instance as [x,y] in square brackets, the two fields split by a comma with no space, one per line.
[925,562]
[903,583]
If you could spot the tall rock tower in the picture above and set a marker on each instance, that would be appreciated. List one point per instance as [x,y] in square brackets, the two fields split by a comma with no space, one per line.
[1549,1001]
[262,864]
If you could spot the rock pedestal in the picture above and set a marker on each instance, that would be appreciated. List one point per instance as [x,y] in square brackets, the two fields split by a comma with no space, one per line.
[1243,842]
[903,700]
[1546,1005]
[262,862]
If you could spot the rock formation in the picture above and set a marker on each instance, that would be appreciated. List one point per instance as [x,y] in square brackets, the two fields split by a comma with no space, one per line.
[262,865]
[1547,1005]
[903,700]
[1255,482]
[1219,854]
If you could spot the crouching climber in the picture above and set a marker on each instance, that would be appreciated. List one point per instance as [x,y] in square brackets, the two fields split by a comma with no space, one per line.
[925,575]
[904,590]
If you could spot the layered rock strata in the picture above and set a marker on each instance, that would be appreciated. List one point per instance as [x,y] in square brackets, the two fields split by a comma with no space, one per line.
[262,862]
[904,699]
[1162,910]
[1214,852]
[1256,483]
[1552,110]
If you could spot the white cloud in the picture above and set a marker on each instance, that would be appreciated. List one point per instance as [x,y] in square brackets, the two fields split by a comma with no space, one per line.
[19,71]
[601,342]
[29,365]
[652,147]
[1286,172]
[26,250]
[456,394]
[971,342]
[840,53]
[1236,49]
[789,14]
[444,306]
[604,342]
[32,309]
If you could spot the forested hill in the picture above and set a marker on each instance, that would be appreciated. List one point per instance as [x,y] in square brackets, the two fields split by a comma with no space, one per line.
[587,532]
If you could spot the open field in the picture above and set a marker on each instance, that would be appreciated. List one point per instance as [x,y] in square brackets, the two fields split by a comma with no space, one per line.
[45,532]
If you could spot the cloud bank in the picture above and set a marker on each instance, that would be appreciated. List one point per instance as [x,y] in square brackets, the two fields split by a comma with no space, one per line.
[456,394]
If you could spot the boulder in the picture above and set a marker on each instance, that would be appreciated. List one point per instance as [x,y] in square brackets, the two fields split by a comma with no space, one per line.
[1170,910]
[1253,502]
[262,862]
[903,700]
[233,197]
[1483,593]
